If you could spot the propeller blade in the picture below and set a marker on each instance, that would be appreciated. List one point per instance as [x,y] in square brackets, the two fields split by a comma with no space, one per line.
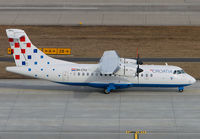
[139,61]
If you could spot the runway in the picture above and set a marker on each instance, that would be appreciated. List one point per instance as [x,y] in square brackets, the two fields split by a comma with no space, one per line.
[92,2]
[108,8]
[41,109]
[100,12]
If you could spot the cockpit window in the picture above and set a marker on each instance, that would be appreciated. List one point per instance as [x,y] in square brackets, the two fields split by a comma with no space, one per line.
[178,72]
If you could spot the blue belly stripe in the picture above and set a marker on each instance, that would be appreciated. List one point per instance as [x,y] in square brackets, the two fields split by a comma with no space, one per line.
[102,85]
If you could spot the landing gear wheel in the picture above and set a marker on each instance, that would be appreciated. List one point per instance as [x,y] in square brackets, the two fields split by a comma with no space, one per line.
[106,91]
[180,91]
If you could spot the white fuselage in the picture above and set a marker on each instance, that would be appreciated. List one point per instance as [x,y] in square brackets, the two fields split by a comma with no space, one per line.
[89,75]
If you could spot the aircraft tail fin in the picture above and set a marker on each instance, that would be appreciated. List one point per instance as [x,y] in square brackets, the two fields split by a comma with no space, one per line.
[24,52]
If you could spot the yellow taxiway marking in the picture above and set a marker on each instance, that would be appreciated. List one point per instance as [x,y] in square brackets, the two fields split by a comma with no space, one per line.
[135,133]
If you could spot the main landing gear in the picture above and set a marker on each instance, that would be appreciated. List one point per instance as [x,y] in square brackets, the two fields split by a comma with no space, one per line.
[180,89]
[110,88]
[107,92]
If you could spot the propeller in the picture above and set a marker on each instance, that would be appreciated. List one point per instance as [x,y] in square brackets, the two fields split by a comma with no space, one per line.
[139,62]
[139,70]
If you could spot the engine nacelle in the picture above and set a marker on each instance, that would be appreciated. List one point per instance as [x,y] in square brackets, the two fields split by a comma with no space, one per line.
[126,70]
[128,61]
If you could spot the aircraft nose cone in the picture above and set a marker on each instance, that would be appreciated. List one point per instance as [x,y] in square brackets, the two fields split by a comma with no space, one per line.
[192,80]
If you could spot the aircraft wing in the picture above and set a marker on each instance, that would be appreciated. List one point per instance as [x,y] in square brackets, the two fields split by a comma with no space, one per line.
[109,62]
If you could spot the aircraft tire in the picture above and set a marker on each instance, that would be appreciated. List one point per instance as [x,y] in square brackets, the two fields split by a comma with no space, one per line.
[106,91]
[180,90]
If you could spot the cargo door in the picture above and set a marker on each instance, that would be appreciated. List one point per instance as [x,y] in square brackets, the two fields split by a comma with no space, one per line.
[65,76]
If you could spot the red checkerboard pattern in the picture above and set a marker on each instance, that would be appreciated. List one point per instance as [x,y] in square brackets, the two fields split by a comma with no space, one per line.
[22,39]
[23,51]
[10,39]
[28,45]
[16,45]
[17,57]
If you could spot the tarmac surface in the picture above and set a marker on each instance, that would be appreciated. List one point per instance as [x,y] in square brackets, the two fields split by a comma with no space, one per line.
[100,12]
[41,109]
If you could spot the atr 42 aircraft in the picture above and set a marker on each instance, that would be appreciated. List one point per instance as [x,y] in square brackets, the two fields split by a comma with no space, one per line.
[111,73]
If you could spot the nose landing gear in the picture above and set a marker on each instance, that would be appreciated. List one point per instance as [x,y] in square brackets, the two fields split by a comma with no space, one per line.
[180,89]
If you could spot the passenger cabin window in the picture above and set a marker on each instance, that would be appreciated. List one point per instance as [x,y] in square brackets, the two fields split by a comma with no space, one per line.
[141,75]
[146,75]
[151,75]
[178,72]
[87,74]
[78,73]
[91,74]
[83,73]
